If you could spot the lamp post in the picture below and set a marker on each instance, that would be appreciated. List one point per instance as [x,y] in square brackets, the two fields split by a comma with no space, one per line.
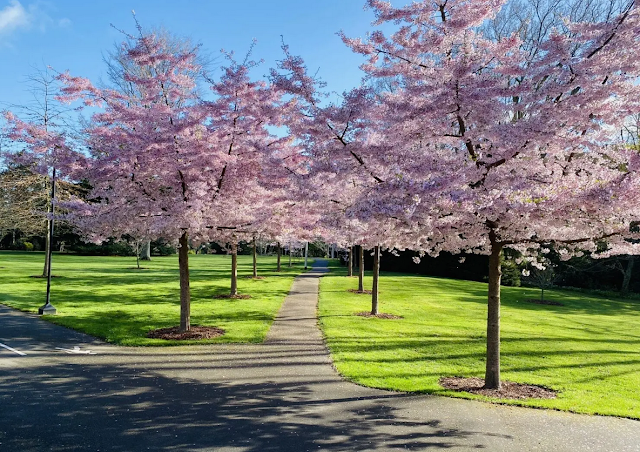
[48,308]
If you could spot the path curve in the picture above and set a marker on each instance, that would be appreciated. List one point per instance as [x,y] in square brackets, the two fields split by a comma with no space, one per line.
[283,395]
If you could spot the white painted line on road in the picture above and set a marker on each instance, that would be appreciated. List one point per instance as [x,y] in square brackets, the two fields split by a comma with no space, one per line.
[13,349]
[76,350]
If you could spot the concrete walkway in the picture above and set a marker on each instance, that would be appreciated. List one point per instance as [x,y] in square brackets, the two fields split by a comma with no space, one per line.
[283,395]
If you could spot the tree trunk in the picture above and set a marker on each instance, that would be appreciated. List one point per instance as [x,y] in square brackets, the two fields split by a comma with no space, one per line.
[279,251]
[138,254]
[306,253]
[350,271]
[145,253]
[255,259]
[185,294]
[361,270]
[289,254]
[628,271]
[492,373]
[234,268]
[376,277]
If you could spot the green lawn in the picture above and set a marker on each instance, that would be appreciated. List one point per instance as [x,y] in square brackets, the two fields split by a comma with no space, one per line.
[107,298]
[588,349]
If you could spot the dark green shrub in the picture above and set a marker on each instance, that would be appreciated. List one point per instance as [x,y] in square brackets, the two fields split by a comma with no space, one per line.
[162,248]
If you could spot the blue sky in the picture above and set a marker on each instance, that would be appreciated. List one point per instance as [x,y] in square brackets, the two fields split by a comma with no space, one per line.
[73,35]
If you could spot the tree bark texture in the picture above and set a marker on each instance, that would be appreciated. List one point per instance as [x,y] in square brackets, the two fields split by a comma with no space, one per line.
[279,251]
[185,293]
[234,268]
[492,372]
[376,277]
[350,271]
[361,270]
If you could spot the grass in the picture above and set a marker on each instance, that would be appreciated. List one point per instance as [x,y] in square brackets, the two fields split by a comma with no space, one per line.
[588,349]
[108,298]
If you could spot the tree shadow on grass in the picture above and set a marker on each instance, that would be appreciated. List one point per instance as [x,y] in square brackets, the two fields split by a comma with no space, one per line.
[515,297]
[124,293]
[456,342]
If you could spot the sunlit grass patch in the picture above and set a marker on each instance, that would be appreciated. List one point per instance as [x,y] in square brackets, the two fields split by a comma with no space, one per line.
[107,298]
[588,349]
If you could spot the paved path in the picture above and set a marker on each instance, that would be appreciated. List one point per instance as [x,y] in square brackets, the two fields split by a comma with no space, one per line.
[283,395]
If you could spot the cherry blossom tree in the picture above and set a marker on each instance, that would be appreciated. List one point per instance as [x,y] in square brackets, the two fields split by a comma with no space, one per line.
[119,67]
[483,145]
[147,165]
[335,136]
[252,179]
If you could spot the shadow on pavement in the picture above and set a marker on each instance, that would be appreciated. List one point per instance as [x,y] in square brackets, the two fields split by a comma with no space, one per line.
[91,406]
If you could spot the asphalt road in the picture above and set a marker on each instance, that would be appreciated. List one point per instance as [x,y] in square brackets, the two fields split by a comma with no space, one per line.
[283,395]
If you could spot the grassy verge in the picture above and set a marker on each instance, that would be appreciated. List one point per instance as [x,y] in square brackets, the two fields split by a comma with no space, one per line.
[588,349]
[108,298]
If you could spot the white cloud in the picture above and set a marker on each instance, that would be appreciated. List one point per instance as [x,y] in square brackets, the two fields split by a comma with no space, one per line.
[13,17]
[16,17]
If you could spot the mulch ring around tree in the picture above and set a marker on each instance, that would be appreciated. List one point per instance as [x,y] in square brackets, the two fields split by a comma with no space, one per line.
[226,296]
[137,268]
[381,315]
[196,332]
[546,302]
[508,390]
[253,277]
[44,277]
[368,292]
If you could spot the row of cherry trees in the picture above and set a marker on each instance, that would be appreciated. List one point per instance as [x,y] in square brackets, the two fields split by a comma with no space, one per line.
[170,164]
[458,140]
[475,143]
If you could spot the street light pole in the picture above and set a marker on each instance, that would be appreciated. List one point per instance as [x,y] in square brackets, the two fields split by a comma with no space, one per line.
[48,308]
